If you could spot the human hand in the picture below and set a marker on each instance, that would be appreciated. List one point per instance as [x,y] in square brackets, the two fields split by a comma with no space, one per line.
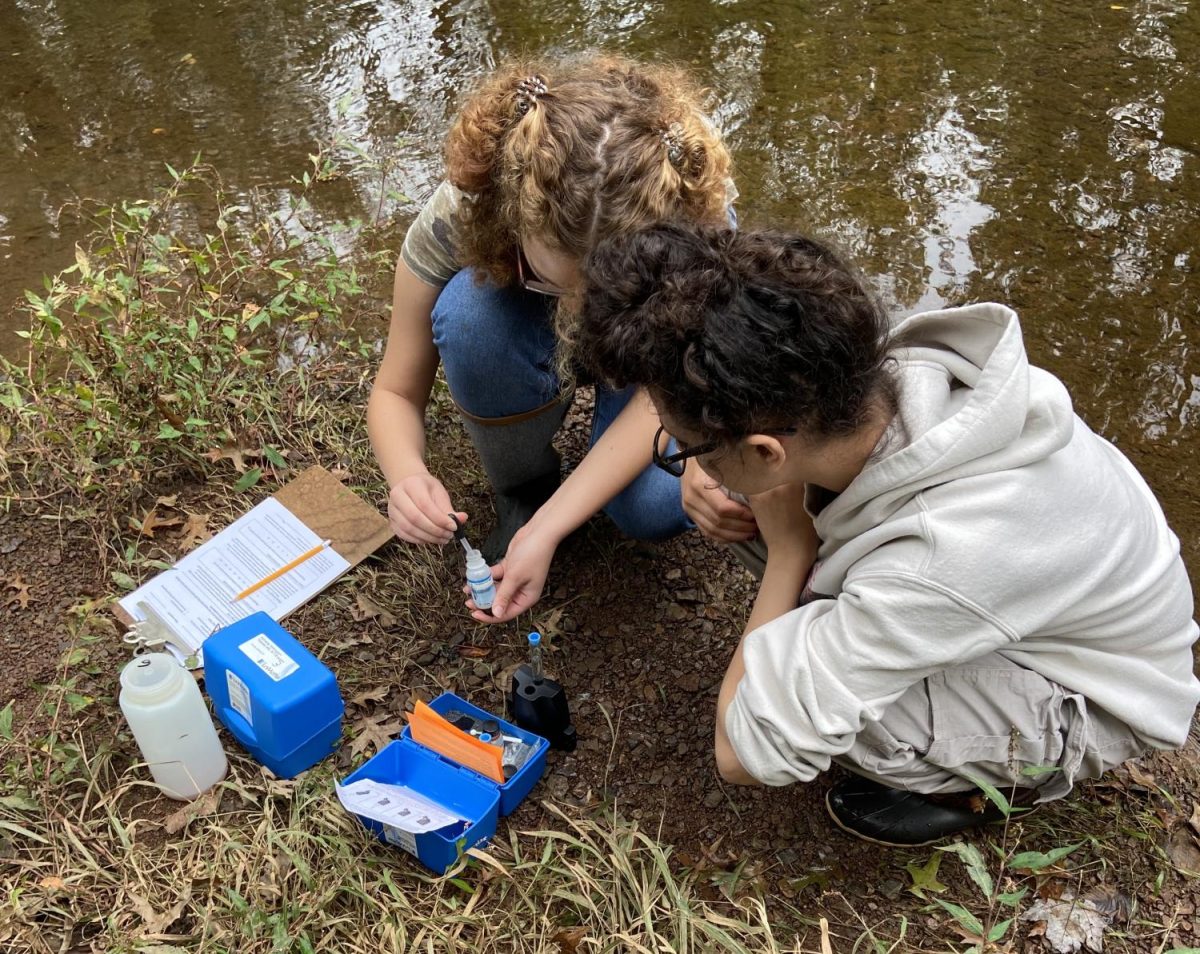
[712,511]
[785,525]
[419,510]
[519,577]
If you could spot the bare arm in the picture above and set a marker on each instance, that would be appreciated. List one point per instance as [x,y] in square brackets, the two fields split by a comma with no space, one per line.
[621,453]
[396,413]
[791,549]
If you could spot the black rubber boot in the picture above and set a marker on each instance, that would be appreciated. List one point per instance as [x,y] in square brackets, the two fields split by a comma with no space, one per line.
[890,816]
[521,464]
[514,510]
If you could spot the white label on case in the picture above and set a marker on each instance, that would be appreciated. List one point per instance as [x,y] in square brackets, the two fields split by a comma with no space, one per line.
[239,696]
[401,839]
[268,657]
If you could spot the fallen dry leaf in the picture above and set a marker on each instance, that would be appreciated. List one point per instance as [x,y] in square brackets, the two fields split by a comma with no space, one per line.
[1194,821]
[378,694]
[235,453]
[1184,851]
[568,939]
[366,608]
[152,522]
[374,731]
[1069,924]
[22,595]
[206,804]
[152,921]
[474,652]
[1140,777]
[52,883]
[195,530]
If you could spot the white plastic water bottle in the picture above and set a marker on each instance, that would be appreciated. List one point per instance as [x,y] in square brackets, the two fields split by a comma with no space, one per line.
[172,726]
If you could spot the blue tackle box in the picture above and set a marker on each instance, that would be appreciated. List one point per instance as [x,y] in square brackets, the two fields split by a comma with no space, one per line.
[277,698]
[478,802]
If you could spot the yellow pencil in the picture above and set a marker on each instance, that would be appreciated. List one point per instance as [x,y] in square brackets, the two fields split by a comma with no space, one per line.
[272,577]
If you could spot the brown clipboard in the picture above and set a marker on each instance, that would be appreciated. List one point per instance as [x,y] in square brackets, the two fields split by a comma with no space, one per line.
[332,511]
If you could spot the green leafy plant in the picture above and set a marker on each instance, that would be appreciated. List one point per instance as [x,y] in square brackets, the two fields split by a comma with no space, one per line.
[171,340]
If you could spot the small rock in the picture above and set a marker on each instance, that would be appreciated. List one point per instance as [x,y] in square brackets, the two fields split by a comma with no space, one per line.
[676,613]
[713,799]
[674,573]
[689,682]
[481,670]
[425,659]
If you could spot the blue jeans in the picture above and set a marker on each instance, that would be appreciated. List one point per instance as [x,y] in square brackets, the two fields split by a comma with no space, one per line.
[497,348]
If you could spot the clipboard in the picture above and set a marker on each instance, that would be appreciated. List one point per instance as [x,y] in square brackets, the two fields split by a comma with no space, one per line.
[325,508]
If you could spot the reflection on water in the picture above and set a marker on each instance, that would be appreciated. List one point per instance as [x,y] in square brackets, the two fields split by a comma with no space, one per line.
[1041,154]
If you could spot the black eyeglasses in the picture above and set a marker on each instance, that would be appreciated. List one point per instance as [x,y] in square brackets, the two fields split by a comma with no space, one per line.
[674,464]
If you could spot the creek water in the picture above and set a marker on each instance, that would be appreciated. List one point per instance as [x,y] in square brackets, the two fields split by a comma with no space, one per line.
[1039,154]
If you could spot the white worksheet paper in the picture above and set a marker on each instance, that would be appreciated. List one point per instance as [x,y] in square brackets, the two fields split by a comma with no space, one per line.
[196,597]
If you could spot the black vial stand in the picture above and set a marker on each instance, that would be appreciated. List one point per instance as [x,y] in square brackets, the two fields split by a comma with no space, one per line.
[538,704]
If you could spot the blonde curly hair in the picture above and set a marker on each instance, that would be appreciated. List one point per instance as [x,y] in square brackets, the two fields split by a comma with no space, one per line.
[573,150]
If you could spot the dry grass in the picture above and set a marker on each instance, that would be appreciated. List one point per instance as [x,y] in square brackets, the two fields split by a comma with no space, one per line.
[91,861]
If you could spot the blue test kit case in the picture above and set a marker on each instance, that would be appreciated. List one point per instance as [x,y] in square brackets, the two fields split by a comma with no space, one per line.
[276,698]
[476,799]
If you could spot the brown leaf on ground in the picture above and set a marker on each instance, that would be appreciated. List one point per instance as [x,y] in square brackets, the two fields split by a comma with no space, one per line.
[1184,851]
[206,804]
[374,732]
[378,694]
[235,453]
[195,531]
[474,652]
[153,922]
[1140,777]
[22,596]
[366,608]
[1069,924]
[152,522]
[1194,821]
[568,939]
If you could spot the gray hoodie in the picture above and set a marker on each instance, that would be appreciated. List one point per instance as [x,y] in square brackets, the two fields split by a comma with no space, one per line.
[991,520]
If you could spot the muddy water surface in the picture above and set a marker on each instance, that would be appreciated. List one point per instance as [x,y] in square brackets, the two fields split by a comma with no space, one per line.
[1044,155]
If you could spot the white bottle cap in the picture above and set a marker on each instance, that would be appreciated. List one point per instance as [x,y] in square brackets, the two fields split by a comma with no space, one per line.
[151,677]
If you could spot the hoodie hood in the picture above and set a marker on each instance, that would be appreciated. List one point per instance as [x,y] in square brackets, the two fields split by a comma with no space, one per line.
[969,404]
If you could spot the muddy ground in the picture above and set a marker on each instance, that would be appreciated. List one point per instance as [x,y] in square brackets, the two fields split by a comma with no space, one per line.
[640,636]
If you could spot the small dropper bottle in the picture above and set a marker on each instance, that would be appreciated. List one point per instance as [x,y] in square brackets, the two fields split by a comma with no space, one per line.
[535,655]
[479,574]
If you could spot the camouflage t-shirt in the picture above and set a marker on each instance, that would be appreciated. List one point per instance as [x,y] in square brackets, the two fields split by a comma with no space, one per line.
[430,245]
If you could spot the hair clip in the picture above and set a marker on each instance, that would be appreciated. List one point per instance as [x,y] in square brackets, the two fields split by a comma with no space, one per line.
[672,138]
[528,90]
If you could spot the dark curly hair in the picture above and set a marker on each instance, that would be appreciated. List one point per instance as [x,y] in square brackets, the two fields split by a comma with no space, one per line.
[736,332]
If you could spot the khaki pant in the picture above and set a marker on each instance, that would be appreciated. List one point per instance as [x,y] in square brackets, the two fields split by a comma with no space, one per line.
[988,719]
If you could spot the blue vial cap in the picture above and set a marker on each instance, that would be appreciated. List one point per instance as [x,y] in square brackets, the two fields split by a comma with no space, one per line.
[485,737]
[535,639]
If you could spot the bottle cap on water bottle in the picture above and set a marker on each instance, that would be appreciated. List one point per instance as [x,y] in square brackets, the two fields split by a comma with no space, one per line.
[151,677]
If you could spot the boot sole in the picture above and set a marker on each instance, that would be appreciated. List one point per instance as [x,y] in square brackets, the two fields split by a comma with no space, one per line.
[911,844]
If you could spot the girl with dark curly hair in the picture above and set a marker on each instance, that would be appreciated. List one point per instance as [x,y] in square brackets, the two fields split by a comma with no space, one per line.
[961,584]
[544,160]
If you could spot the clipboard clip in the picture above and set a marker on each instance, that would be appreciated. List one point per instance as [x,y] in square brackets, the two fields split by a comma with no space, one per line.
[152,634]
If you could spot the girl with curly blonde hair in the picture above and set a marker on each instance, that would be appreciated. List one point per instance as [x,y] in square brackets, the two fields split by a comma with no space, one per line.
[544,160]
